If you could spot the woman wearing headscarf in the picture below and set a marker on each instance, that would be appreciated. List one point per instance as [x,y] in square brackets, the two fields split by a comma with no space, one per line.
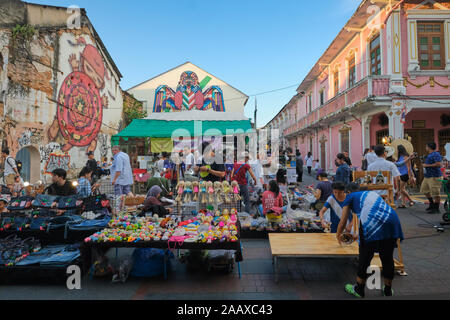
[154,204]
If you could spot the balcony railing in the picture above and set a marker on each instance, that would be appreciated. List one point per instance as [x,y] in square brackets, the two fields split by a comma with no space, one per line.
[370,86]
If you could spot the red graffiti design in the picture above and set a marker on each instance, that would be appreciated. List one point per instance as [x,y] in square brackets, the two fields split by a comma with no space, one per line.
[80,110]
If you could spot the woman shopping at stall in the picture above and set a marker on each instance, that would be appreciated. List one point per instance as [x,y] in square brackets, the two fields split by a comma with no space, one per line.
[84,187]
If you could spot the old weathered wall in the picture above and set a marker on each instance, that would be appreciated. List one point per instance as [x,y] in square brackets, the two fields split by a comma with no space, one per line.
[59,95]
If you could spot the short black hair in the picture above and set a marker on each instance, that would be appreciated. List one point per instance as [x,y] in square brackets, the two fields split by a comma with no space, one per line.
[352,187]
[85,171]
[340,156]
[323,174]
[60,173]
[90,153]
[432,145]
[379,150]
[338,186]
[5,151]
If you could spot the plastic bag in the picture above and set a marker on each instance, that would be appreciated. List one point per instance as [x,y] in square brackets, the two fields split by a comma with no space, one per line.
[122,269]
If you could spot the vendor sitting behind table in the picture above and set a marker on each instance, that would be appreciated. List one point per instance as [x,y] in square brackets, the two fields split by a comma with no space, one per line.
[322,192]
[61,187]
[3,205]
[153,203]
[335,204]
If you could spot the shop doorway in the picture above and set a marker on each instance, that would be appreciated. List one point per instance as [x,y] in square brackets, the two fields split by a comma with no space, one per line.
[444,138]
[419,139]
[323,155]
[31,164]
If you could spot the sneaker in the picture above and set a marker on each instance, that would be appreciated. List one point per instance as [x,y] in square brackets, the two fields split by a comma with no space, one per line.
[350,289]
[384,293]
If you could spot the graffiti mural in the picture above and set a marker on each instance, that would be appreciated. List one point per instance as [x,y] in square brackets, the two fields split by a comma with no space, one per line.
[189,95]
[103,145]
[30,136]
[57,161]
[47,150]
[80,103]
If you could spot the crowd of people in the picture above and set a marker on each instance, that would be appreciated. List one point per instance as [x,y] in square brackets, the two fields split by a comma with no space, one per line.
[335,195]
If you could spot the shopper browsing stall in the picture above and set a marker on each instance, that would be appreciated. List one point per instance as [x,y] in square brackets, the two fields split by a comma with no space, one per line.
[272,200]
[323,190]
[238,174]
[84,187]
[121,172]
[379,230]
[11,172]
[381,164]
[334,203]
[343,171]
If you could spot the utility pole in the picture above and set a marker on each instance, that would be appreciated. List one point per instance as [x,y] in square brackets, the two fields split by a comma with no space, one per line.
[256,111]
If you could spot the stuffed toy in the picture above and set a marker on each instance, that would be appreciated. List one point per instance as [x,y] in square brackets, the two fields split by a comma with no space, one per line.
[226,191]
[218,191]
[203,192]
[210,189]
[180,191]
[188,192]
[196,190]
[235,187]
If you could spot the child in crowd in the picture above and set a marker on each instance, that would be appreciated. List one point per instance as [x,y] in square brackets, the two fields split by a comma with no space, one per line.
[379,230]
[272,202]
[322,192]
[334,204]
[3,205]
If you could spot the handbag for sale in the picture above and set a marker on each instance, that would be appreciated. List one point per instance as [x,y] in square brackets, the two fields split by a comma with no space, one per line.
[20,203]
[69,202]
[95,203]
[44,201]
[20,222]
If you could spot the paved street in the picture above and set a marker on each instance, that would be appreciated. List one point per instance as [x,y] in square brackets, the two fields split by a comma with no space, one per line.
[426,255]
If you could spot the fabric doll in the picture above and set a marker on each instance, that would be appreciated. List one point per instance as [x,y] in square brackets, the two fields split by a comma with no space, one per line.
[226,191]
[180,191]
[210,189]
[218,191]
[188,192]
[203,191]
[235,187]
[196,190]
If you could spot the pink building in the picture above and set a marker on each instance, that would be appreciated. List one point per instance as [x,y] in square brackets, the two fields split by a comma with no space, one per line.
[387,73]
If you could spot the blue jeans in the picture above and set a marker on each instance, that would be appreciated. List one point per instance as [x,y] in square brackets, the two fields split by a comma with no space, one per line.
[37,257]
[120,189]
[246,197]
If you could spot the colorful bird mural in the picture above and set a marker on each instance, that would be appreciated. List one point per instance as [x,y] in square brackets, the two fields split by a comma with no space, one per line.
[189,95]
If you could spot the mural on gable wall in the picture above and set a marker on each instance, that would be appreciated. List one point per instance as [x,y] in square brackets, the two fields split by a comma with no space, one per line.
[189,95]
[80,101]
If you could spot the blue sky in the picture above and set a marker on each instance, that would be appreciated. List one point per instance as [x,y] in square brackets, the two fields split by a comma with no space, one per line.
[254,45]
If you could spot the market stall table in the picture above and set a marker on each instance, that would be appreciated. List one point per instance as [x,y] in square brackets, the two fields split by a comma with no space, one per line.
[317,245]
[87,247]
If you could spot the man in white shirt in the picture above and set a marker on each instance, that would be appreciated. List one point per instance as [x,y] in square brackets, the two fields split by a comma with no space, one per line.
[371,157]
[10,169]
[257,170]
[381,164]
[190,160]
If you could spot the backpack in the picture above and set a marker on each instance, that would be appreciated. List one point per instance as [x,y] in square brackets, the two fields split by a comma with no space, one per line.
[18,164]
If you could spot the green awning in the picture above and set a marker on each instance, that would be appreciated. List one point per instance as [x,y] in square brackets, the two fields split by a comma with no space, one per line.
[147,128]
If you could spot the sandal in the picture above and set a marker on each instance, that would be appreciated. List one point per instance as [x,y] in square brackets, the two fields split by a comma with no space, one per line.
[411,203]
[402,207]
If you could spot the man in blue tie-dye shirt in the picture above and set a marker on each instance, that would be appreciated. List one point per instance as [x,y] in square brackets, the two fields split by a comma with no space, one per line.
[379,230]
